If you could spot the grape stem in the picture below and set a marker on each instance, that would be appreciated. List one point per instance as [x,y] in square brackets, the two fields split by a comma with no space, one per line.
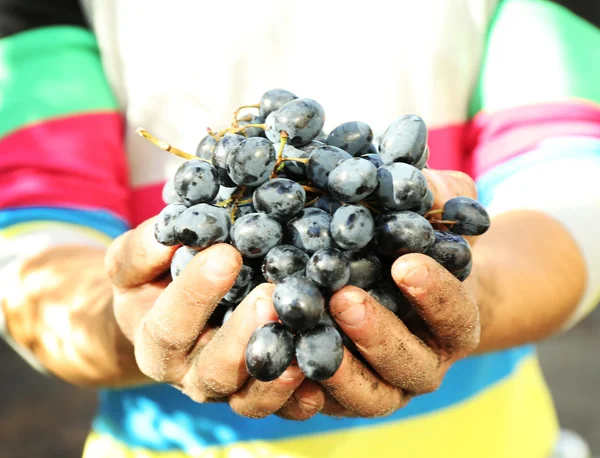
[442,221]
[370,207]
[235,198]
[284,137]
[313,190]
[236,112]
[166,146]
[434,212]
[309,203]
[237,130]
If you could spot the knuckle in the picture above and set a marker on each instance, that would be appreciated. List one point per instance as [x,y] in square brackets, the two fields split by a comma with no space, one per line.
[208,378]
[250,409]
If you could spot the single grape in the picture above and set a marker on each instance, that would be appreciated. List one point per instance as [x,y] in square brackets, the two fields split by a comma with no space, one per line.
[220,154]
[309,231]
[298,303]
[251,162]
[424,158]
[196,182]
[352,227]
[273,100]
[301,152]
[270,351]
[365,268]
[322,161]
[354,137]
[270,132]
[205,148]
[319,352]
[164,225]
[253,131]
[280,198]
[327,203]
[404,140]
[401,186]
[399,233]
[255,234]
[352,180]
[346,341]
[301,119]
[374,159]
[450,250]
[202,225]
[169,195]
[241,287]
[284,261]
[386,293]
[426,204]
[329,269]
[182,256]
[464,273]
[472,217]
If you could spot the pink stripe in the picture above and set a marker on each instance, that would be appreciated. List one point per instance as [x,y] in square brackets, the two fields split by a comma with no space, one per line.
[447,148]
[146,202]
[495,137]
[74,161]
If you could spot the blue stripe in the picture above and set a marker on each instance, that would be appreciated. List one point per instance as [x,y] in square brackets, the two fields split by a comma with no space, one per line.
[574,149]
[161,418]
[100,220]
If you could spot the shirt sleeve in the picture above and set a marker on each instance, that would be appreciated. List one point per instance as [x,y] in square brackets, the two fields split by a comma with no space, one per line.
[63,173]
[534,139]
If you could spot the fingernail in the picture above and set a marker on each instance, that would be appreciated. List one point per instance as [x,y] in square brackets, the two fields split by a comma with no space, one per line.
[220,267]
[416,277]
[353,316]
[264,310]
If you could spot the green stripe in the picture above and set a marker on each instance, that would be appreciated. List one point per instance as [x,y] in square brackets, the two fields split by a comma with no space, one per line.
[50,72]
[537,51]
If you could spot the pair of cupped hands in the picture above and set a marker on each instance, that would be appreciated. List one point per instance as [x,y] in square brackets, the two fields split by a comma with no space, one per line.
[167,324]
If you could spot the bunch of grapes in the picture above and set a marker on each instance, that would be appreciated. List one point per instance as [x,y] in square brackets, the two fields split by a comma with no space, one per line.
[311,213]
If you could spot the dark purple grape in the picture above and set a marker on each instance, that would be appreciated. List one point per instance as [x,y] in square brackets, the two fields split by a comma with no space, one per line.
[322,161]
[270,352]
[224,194]
[352,227]
[374,159]
[182,256]
[284,261]
[301,152]
[301,119]
[164,225]
[424,158]
[202,225]
[354,137]
[386,293]
[401,186]
[352,180]
[280,198]
[329,269]
[426,204]
[273,100]
[472,217]
[319,352]
[450,250]
[327,203]
[298,303]
[196,182]
[241,287]
[365,268]
[309,231]
[169,196]
[404,140]
[253,131]
[205,148]
[271,134]
[464,273]
[251,162]
[255,234]
[220,154]
[399,233]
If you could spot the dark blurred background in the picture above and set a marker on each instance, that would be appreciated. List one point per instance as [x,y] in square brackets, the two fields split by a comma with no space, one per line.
[44,418]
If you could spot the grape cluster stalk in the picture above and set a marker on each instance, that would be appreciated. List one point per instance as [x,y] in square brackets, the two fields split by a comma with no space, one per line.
[311,212]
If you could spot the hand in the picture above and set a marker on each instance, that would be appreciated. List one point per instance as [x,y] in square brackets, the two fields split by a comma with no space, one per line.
[167,324]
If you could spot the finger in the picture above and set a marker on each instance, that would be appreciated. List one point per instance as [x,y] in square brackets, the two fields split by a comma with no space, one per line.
[258,399]
[359,390]
[135,257]
[332,408]
[304,403]
[172,326]
[447,184]
[397,355]
[220,370]
[442,302]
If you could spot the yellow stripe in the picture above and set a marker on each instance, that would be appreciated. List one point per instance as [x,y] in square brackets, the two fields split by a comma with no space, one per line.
[513,419]
[20,229]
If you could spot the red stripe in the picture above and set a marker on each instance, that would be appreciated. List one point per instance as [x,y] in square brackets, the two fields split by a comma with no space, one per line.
[447,148]
[495,137]
[146,202]
[74,161]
